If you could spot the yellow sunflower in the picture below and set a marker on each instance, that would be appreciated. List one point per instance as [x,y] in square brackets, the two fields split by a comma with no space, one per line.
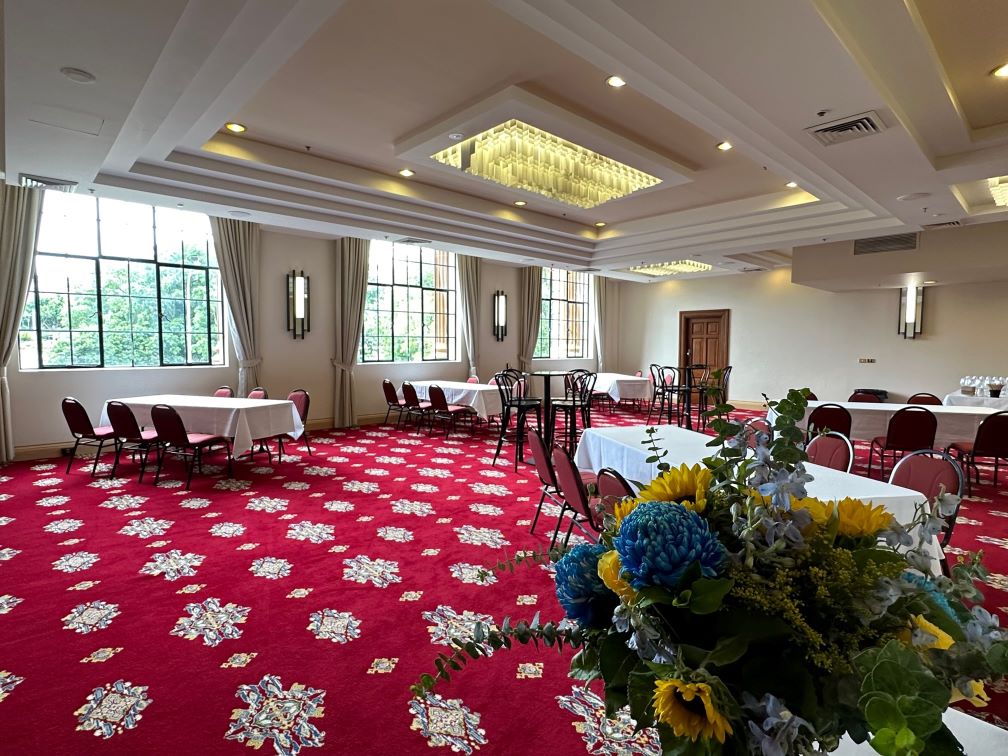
[859,519]
[821,511]
[688,709]
[942,639]
[979,699]
[686,485]
[609,568]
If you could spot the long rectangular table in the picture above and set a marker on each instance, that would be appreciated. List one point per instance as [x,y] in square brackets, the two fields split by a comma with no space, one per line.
[620,386]
[482,397]
[621,449]
[244,420]
[958,399]
[871,419]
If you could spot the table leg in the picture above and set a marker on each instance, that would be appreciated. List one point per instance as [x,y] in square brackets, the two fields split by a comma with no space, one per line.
[689,399]
[547,402]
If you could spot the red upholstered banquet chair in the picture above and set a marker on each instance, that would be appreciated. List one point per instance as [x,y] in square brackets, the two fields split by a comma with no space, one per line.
[910,429]
[448,414]
[393,401]
[225,392]
[575,497]
[924,398]
[612,486]
[413,404]
[258,393]
[829,417]
[84,433]
[473,379]
[833,450]
[175,438]
[991,442]
[301,401]
[130,436]
[547,477]
[862,396]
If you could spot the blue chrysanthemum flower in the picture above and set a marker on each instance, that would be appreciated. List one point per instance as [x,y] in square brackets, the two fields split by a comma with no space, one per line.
[659,540]
[579,588]
[932,591]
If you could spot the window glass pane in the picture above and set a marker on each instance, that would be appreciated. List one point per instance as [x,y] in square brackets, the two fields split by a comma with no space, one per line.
[86,352]
[173,349]
[126,229]
[56,348]
[28,314]
[118,347]
[69,225]
[84,313]
[199,349]
[145,349]
[171,282]
[28,349]
[143,279]
[173,316]
[144,314]
[114,277]
[54,312]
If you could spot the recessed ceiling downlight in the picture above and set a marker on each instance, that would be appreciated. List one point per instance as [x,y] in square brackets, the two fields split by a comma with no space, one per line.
[724,146]
[78,74]
[616,82]
[913,196]
[235,128]
[1001,71]
[239,214]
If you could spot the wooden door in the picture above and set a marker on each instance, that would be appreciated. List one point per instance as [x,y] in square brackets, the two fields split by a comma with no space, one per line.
[703,338]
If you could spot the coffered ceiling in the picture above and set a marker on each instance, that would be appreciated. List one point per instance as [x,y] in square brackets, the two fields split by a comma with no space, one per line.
[338,96]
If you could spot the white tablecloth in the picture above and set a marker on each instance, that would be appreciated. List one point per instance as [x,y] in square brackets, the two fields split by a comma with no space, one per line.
[620,386]
[482,397]
[871,419]
[978,738]
[241,419]
[620,448]
[957,399]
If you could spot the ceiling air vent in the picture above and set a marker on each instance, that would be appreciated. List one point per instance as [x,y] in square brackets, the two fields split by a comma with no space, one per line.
[846,129]
[894,243]
[751,270]
[41,182]
[412,240]
[946,224]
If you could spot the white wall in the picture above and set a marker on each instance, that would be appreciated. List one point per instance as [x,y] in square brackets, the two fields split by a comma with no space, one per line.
[784,335]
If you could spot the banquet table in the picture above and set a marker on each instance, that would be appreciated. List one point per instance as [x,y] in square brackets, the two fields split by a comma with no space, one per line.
[620,386]
[871,419]
[243,420]
[958,399]
[482,397]
[621,449]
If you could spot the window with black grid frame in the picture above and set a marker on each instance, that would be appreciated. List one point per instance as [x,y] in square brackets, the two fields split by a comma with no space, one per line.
[410,304]
[563,319]
[121,284]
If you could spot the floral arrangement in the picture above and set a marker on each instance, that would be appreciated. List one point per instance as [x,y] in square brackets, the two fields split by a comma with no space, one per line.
[737,615]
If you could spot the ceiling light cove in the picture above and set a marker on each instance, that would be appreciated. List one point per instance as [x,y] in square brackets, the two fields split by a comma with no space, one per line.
[616,82]
[406,173]
[235,128]
[520,156]
[520,203]
[724,146]
[999,190]
[672,268]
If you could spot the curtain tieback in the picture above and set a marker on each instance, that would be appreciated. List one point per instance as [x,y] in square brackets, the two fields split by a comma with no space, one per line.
[348,366]
[254,362]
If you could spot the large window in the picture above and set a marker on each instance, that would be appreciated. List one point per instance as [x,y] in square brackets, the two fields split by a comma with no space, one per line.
[563,320]
[409,309]
[120,284]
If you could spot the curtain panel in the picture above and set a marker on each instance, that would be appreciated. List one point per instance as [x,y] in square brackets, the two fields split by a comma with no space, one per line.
[19,217]
[599,318]
[469,288]
[352,262]
[238,245]
[530,309]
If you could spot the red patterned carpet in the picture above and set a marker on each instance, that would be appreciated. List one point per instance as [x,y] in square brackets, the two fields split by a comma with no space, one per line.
[292,607]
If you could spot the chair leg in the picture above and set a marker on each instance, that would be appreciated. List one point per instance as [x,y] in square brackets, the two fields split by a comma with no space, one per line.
[556,530]
[307,444]
[227,448]
[73,453]
[160,464]
[570,529]
[535,519]
[192,464]
[97,456]
[387,413]
[505,418]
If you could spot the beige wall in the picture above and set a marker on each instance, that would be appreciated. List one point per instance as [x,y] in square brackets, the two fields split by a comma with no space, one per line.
[287,363]
[785,335]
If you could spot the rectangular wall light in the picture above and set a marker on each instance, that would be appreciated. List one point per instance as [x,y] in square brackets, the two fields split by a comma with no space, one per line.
[911,311]
[499,315]
[298,304]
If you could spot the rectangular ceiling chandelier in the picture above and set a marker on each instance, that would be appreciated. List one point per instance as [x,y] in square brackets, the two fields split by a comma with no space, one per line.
[999,190]
[671,268]
[517,155]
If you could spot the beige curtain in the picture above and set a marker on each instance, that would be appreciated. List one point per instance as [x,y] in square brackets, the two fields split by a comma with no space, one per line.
[238,254]
[19,215]
[599,285]
[469,288]
[529,309]
[352,262]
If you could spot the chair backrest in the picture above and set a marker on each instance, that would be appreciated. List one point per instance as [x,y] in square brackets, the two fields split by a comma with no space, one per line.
[301,400]
[510,385]
[612,485]
[668,376]
[410,395]
[655,371]
[582,384]
[123,421]
[833,450]
[473,379]
[924,398]
[77,417]
[638,374]
[756,426]
[929,471]
[698,375]
[224,391]
[911,428]
[391,397]
[436,397]
[861,396]
[571,487]
[572,383]
[258,393]
[169,426]
[830,417]
[541,457]
[992,436]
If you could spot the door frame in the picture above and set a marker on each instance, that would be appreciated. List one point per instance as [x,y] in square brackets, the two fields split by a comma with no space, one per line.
[686,315]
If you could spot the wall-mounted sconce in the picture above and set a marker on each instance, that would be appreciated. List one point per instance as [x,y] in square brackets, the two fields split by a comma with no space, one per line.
[298,304]
[499,315]
[911,311]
